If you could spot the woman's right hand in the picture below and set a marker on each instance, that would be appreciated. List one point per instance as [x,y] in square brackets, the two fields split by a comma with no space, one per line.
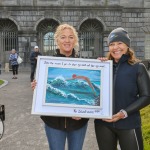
[33,84]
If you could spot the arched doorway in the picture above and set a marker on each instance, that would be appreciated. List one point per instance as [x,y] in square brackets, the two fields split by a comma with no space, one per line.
[90,35]
[46,29]
[8,39]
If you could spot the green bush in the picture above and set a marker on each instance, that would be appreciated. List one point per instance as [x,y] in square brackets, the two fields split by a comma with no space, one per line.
[1,82]
[145,114]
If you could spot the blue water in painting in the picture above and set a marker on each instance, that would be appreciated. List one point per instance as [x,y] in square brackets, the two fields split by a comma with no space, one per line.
[76,92]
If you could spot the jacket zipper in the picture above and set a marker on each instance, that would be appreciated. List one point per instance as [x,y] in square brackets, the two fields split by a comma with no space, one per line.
[115,74]
[65,122]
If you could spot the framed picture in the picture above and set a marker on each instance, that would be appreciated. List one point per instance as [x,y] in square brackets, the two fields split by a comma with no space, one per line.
[73,87]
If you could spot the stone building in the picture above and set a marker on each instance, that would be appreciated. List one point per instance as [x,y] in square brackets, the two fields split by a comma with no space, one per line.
[26,23]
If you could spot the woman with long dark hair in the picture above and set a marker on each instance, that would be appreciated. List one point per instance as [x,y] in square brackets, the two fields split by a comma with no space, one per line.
[131,92]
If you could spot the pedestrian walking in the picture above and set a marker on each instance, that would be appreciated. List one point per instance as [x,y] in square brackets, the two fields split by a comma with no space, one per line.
[14,64]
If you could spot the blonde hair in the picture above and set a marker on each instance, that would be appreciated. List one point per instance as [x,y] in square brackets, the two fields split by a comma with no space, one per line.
[60,28]
[132,59]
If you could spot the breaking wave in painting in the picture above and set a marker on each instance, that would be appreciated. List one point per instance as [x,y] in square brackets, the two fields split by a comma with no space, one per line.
[76,92]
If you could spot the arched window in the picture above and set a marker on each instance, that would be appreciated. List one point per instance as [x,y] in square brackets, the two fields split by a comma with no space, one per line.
[8,39]
[8,35]
[49,44]
[46,29]
[90,36]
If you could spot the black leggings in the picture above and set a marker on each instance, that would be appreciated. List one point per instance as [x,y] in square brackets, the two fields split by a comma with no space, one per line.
[15,69]
[107,138]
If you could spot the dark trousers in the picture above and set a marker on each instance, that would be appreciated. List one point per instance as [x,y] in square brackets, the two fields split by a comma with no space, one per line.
[15,69]
[33,68]
[107,138]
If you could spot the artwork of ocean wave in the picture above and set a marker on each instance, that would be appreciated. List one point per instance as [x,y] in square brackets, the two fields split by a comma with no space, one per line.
[61,90]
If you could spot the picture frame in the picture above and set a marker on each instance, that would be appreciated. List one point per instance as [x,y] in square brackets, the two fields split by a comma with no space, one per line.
[73,87]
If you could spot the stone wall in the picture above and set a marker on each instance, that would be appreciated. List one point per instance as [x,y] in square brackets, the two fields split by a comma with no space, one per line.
[124,3]
[112,13]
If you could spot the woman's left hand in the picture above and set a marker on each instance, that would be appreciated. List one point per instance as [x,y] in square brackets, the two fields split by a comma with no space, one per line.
[115,117]
[102,58]
[76,118]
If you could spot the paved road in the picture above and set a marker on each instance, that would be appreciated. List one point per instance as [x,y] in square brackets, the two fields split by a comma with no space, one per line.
[24,131]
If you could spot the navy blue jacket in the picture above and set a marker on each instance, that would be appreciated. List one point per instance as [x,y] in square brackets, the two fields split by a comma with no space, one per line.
[64,123]
[33,56]
[131,92]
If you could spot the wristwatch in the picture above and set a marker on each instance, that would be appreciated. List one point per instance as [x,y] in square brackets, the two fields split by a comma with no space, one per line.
[125,113]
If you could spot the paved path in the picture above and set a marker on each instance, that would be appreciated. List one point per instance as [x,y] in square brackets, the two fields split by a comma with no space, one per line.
[24,131]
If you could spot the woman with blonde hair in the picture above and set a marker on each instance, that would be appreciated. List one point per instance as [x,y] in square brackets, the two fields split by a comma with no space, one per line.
[58,129]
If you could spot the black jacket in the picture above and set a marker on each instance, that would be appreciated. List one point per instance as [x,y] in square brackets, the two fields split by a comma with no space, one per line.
[64,123]
[131,92]
[34,54]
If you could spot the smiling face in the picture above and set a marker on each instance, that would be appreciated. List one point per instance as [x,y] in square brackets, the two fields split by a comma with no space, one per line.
[66,42]
[117,49]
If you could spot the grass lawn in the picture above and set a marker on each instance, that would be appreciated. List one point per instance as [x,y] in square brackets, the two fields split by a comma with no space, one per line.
[145,113]
[1,82]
